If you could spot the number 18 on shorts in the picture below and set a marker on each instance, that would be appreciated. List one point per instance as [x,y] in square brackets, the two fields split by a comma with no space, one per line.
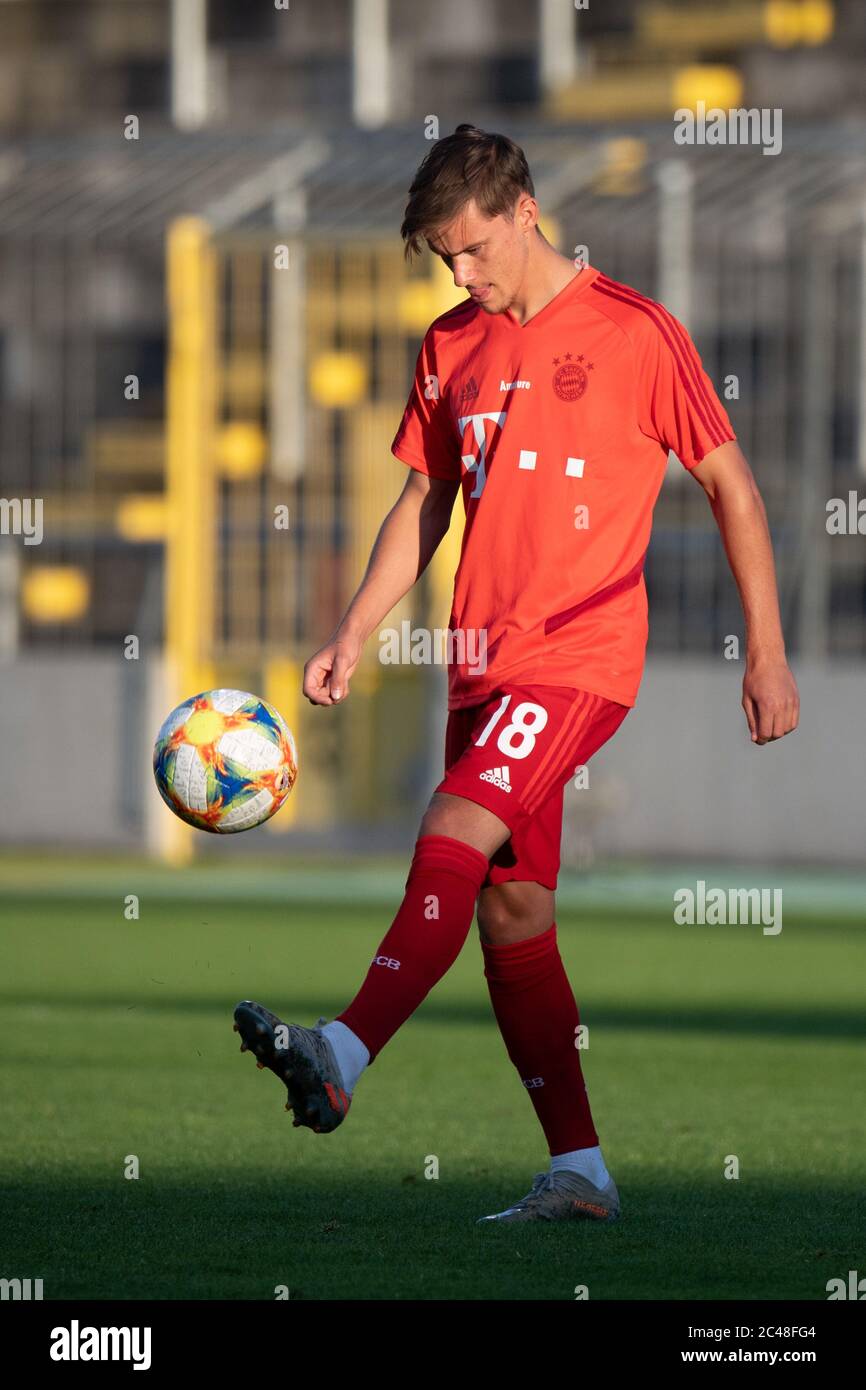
[514,754]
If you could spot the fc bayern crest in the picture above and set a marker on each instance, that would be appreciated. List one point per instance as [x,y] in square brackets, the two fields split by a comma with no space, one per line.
[570,379]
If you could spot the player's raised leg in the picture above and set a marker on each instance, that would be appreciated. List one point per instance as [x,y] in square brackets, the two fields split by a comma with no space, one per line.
[448,868]
[321,1066]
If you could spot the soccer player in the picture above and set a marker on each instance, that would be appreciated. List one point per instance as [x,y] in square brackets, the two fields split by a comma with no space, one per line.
[550,397]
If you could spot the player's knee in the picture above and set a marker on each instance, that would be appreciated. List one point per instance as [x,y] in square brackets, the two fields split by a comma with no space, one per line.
[461,819]
[510,912]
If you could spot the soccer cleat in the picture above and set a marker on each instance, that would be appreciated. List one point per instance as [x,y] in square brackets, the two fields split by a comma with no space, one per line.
[563,1196]
[304,1061]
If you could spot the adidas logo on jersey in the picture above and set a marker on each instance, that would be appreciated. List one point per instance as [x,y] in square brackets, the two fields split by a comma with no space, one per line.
[498,776]
[470,389]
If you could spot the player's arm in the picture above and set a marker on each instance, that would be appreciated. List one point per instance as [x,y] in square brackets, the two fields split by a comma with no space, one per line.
[770,697]
[406,542]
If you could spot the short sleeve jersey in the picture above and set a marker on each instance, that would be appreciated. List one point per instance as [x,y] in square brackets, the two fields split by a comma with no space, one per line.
[559,431]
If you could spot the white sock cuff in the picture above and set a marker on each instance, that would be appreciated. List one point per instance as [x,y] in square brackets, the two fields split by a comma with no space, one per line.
[588,1162]
[351,1054]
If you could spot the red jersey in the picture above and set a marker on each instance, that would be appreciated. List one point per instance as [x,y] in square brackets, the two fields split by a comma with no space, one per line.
[560,430]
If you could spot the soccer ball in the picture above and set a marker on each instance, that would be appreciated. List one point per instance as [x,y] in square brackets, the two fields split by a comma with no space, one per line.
[224,761]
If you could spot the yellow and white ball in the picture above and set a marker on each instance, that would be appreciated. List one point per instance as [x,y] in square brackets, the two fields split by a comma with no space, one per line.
[225,761]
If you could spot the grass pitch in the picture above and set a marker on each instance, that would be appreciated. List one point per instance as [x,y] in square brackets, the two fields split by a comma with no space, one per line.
[705,1042]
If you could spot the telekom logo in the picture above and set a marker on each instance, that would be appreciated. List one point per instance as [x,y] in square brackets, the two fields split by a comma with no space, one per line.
[527,460]
[470,462]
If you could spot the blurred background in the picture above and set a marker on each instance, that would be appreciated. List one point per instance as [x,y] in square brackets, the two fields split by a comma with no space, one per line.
[207,337]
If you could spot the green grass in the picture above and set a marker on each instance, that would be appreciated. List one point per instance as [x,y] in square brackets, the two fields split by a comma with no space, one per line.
[704,1042]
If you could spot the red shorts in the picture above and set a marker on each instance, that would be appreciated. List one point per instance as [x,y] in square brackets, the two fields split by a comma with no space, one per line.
[514,754]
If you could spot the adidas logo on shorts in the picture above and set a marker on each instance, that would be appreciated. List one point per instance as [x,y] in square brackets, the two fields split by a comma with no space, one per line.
[498,776]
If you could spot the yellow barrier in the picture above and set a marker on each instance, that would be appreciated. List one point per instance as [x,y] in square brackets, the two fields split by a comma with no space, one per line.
[283,691]
[190,472]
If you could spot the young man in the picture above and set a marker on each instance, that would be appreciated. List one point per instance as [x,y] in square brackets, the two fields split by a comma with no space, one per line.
[551,396]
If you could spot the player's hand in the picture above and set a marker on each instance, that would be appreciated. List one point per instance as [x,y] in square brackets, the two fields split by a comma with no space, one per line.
[326,675]
[771,700]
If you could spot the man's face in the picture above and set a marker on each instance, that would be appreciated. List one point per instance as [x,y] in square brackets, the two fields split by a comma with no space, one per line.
[487,255]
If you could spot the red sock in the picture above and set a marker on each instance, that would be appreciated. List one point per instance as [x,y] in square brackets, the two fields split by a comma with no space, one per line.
[537,1016]
[424,940]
